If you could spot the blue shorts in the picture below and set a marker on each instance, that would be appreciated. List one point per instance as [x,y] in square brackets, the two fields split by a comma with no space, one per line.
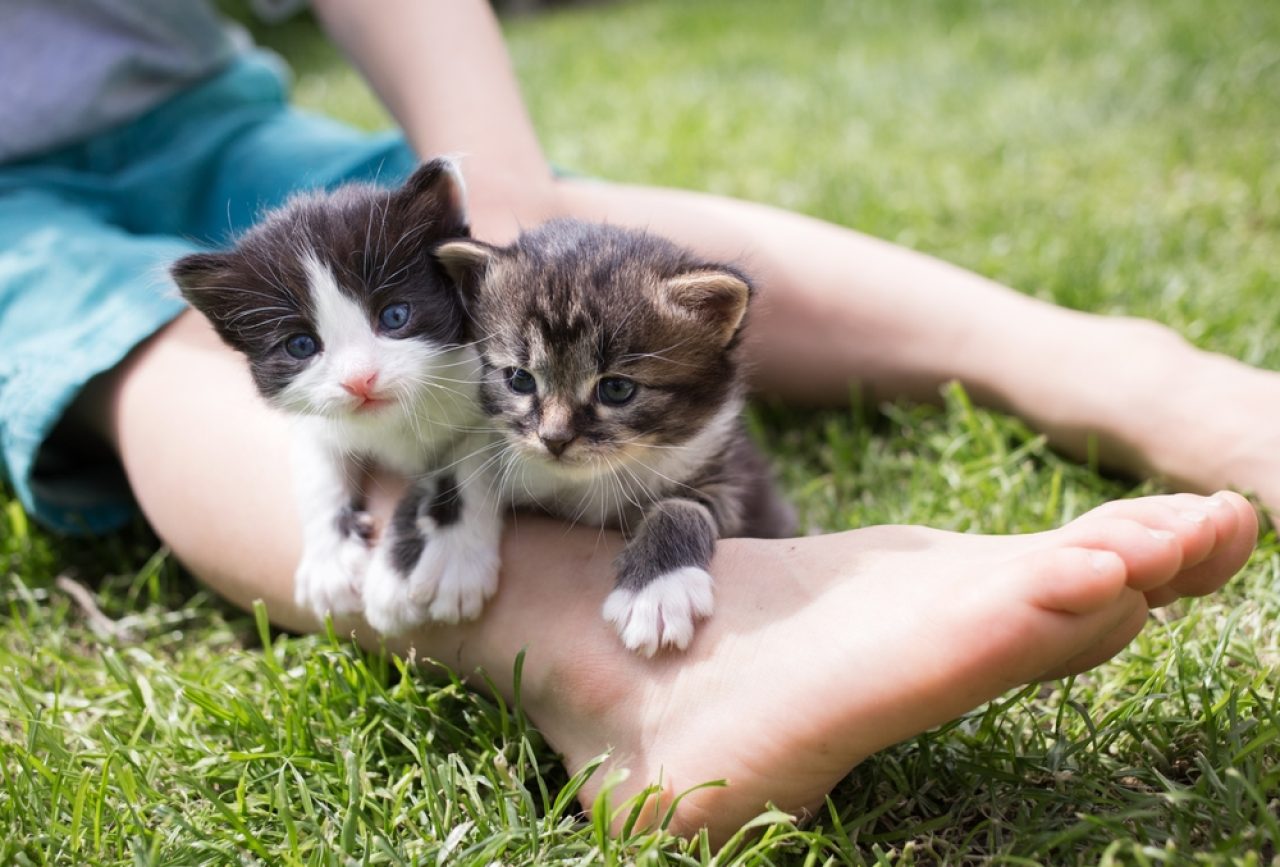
[87,233]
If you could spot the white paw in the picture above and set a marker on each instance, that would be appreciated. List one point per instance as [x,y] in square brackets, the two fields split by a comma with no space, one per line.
[663,612]
[468,577]
[389,603]
[450,582]
[330,582]
[354,557]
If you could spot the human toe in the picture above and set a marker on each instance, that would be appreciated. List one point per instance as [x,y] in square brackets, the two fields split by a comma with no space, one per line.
[1152,553]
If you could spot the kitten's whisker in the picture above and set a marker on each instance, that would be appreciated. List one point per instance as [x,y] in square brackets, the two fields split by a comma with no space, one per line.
[503,479]
[240,290]
[584,502]
[664,476]
[368,247]
[438,378]
[470,482]
[409,235]
[284,312]
[638,442]
[454,347]
[618,472]
[658,353]
[407,409]
[434,390]
[620,511]
[626,318]
[524,481]
[274,281]
[396,278]
[483,468]
[471,454]
[428,379]
[644,489]
[498,494]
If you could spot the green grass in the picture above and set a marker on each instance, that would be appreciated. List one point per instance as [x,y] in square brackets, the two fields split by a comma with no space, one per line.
[1118,157]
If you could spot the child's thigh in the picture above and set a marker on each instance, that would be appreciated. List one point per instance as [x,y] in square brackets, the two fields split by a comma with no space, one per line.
[207,460]
[76,295]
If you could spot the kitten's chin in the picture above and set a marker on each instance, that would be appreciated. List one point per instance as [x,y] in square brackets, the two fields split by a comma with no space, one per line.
[372,406]
[376,413]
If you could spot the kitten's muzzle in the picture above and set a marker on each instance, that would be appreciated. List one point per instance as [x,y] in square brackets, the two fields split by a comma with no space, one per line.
[362,385]
[557,441]
[364,388]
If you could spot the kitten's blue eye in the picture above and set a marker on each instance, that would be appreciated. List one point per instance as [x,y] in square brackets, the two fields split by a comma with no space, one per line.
[394,316]
[615,390]
[301,346]
[521,381]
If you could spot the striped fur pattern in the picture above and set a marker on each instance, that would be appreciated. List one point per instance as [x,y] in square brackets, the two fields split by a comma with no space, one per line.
[611,363]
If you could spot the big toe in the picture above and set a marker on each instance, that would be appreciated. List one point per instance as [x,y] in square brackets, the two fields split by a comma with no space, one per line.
[1236,526]
[1178,543]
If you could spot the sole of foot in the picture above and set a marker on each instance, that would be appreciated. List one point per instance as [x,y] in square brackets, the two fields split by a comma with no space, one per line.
[827,649]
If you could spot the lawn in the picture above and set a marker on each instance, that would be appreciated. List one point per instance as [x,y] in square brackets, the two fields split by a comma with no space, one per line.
[1117,157]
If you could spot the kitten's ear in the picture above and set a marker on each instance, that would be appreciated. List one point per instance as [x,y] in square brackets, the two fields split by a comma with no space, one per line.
[203,279]
[197,270]
[206,281]
[437,189]
[466,263]
[717,297]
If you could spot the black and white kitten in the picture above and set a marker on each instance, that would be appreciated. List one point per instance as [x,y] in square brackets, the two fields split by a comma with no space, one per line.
[611,363]
[350,325]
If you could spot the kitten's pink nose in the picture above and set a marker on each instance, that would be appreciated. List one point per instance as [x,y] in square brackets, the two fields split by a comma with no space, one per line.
[557,441]
[361,385]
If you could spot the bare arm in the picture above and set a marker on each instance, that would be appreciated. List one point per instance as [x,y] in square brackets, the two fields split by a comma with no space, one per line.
[441,68]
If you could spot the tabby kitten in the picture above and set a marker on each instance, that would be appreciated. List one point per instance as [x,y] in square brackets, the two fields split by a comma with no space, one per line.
[611,363]
[350,325]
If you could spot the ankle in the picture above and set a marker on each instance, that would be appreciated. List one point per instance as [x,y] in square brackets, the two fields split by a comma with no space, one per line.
[1098,386]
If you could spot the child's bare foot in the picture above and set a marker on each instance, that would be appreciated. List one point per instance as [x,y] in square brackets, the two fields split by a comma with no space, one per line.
[826,649]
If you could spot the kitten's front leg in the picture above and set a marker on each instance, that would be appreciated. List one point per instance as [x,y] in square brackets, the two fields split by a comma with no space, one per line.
[439,560]
[335,549]
[663,584]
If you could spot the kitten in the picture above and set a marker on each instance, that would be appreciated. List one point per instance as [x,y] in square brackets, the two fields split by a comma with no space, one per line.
[350,325]
[611,363]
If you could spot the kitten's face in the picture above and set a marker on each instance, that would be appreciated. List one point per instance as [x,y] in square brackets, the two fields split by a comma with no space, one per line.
[336,300]
[601,347]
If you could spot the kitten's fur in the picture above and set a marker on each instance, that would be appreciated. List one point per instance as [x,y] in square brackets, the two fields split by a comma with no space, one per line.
[573,304]
[398,392]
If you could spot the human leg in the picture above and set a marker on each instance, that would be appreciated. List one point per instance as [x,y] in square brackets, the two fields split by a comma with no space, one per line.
[839,307]
[914,626]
